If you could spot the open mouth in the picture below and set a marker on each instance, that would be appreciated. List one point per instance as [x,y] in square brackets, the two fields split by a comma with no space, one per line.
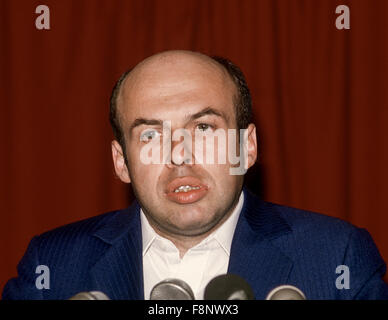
[185,190]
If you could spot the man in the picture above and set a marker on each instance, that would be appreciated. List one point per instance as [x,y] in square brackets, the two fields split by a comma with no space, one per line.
[193,220]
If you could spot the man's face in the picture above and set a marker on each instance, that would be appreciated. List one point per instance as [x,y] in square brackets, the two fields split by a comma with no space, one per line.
[194,95]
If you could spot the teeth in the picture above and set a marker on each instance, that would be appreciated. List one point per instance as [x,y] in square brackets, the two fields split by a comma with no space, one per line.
[185,189]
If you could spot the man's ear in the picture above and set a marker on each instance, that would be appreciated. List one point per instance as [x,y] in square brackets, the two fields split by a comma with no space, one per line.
[119,162]
[252,145]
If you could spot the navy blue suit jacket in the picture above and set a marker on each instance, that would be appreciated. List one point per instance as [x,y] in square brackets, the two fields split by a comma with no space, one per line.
[272,245]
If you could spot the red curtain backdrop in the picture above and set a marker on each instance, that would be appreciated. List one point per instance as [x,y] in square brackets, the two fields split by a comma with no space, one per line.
[320,101]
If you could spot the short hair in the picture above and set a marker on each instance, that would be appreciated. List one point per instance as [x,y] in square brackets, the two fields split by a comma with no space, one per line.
[113,115]
[242,100]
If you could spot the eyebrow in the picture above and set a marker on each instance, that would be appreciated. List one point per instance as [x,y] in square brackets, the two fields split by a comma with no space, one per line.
[206,112]
[157,122]
[141,121]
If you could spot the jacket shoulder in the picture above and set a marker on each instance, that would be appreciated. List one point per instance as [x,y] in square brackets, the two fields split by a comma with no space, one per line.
[75,242]
[68,252]
[303,220]
[318,244]
[79,229]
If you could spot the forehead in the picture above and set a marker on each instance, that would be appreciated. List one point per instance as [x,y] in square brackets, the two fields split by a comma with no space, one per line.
[174,86]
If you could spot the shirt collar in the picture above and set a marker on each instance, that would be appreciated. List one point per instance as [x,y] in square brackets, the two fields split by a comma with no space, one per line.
[223,235]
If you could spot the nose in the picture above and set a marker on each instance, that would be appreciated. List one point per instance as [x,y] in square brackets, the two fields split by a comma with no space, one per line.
[181,149]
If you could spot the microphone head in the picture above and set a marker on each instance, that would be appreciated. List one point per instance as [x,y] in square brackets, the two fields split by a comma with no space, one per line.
[286,292]
[172,289]
[91,295]
[228,287]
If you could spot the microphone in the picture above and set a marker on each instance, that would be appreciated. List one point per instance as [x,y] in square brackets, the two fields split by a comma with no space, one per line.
[90,295]
[172,289]
[228,287]
[286,292]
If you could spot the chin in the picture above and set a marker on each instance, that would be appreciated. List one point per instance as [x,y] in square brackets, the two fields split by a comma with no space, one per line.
[193,231]
[194,227]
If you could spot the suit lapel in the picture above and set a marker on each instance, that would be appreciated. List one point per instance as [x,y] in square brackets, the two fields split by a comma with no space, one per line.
[253,256]
[119,273]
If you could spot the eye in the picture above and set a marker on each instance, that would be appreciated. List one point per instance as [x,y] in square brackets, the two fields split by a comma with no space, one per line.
[204,127]
[149,134]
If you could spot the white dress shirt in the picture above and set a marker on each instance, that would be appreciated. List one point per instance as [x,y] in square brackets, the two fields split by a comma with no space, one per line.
[199,265]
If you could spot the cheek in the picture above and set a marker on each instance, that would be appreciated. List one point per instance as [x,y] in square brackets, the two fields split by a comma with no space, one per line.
[145,175]
[140,173]
[220,174]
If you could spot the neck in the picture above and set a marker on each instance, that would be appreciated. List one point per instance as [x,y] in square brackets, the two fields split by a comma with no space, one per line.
[184,242]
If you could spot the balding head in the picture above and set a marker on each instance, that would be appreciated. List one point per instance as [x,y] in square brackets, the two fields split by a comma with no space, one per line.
[174,67]
[174,61]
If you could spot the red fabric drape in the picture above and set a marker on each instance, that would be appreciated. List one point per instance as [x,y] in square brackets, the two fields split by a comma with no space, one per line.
[320,101]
